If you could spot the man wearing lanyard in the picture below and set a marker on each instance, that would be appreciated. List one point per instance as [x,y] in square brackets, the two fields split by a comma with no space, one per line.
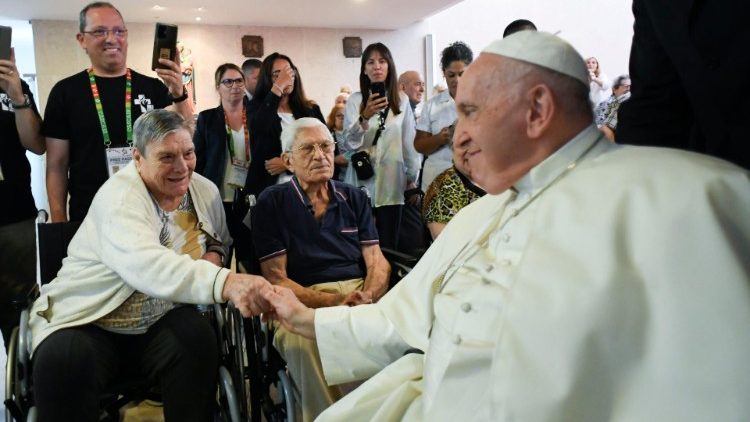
[88,122]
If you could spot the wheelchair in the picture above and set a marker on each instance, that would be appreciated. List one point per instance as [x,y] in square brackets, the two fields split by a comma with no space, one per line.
[232,389]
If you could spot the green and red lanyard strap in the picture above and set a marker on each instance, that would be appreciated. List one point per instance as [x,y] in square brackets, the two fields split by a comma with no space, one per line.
[100,108]
[230,143]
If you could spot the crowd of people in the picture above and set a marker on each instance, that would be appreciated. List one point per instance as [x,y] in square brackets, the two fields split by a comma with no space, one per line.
[565,276]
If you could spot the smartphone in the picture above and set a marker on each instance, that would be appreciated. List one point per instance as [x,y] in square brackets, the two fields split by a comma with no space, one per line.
[5,35]
[377,87]
[165,44]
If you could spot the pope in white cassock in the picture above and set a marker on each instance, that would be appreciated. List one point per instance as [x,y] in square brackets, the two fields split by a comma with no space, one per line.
[595,282]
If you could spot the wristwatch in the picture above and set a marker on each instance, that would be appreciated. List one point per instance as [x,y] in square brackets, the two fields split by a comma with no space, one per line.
[25,104]
[182,97]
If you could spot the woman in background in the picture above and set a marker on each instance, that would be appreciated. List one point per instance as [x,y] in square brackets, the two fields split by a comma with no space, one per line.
[383,128]
[335,123]
[224,153]
[599,84]
[279,100]
[434,126]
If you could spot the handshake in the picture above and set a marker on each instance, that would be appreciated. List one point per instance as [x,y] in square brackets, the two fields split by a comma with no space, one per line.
[254,295]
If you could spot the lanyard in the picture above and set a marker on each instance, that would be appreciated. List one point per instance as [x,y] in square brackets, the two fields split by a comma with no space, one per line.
[230,143]
[100,108]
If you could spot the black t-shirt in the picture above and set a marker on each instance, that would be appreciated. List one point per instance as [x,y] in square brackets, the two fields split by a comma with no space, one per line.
[15,188]
[71,115]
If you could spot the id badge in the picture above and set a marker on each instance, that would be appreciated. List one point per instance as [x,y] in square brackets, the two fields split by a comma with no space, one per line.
[237,174]
[118,158]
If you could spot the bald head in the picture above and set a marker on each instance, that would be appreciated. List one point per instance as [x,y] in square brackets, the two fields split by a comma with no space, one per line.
[413,86]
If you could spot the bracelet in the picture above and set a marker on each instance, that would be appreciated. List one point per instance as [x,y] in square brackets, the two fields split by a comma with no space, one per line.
[182,97]
[25,104]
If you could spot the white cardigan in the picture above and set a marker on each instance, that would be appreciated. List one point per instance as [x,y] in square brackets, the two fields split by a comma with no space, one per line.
[116,251]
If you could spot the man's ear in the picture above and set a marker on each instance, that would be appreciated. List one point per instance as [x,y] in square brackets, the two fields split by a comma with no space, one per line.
[286,158]
[80,39]
[138,158]
[541,110]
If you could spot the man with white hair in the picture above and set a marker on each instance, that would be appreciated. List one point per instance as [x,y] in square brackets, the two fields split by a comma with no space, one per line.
[593,282]
[413,86]
[312,235]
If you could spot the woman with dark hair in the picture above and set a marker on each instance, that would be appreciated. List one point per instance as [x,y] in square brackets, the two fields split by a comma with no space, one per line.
[381,133]
[279,100]
[335,123]
[224,152]
[435,124]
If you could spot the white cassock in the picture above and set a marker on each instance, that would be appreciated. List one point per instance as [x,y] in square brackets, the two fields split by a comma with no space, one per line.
[618,292]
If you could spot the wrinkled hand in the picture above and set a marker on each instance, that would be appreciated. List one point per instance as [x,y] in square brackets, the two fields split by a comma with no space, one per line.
[172,76]
[10,80]
[214,258]
[244,291]
[357,297]
[289,311]
[275,166]
[285,81]
[375,104]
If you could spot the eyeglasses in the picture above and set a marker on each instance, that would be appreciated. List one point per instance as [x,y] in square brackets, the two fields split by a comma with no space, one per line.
[231,82]
[308,149]
[103,33]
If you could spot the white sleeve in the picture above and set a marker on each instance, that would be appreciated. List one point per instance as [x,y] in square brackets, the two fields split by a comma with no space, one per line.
[353,132]
[412,159]
[355,342]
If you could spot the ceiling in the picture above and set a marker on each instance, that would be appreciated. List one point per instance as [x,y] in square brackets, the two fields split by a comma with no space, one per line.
[366,14]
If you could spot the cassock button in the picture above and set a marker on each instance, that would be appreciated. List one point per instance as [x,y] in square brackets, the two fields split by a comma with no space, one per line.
[457,340]
[466,306]
[505,238]
[489,267]
[505,262]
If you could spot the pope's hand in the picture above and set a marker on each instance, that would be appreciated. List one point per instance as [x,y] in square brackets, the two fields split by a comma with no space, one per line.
[289,311]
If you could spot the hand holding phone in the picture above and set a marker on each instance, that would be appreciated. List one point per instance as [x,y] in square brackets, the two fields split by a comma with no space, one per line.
[377,88]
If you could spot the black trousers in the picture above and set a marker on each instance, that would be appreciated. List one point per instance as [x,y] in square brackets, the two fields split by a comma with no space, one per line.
[17,272]
[74,366]
[388,223]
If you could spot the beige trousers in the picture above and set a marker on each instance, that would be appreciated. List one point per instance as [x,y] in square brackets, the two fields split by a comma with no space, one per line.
[303,361]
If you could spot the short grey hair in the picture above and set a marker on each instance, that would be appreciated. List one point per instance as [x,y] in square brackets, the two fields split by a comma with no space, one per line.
[154,126]
[95,5]
[289,134]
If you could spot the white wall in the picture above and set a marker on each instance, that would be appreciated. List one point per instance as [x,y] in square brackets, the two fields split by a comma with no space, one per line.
[600,28]
[318,54]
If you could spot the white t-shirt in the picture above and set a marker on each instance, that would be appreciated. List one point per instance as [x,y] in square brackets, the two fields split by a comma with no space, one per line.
[438,113]
[238,143]
[286,120]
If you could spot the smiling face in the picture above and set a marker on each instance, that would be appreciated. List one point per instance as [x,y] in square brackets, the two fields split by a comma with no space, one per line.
[491,123]
[376,67]
[311,164]
[167,167]
[107,54]
[413,87]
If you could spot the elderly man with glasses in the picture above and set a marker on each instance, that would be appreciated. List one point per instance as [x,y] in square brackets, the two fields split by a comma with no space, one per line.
[88,121]
[316,236]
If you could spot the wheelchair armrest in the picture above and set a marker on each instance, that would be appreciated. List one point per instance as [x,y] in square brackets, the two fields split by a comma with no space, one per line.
[394,256]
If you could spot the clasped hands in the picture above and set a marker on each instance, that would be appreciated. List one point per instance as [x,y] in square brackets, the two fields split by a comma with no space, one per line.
[254,295]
